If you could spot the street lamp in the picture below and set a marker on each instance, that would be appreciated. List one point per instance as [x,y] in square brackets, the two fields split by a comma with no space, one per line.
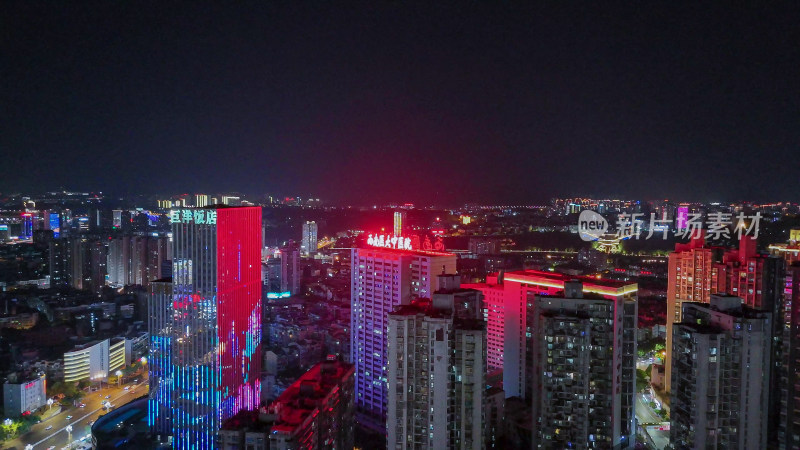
[69,436]
[119,375]
[8,422]
[29,447]
[49,403]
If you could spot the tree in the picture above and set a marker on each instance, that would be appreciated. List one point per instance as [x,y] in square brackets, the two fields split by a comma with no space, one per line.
[642,380]
[66,391]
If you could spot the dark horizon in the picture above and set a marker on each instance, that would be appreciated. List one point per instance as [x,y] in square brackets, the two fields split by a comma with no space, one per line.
[430,104]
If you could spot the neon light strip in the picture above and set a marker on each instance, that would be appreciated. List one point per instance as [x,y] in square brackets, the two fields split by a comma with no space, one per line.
[627,289]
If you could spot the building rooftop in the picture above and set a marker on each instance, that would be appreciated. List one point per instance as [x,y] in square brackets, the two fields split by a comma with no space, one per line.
[246,420]
[406,252]
[556,280]
[81,347]
[302,398]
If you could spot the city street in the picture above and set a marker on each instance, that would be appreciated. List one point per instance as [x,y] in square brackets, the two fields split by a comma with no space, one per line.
[659,434]
[656,427]
[644,413]
[40,437]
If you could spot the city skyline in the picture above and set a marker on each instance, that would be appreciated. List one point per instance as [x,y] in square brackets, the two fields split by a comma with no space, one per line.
[414,102]
[462,225]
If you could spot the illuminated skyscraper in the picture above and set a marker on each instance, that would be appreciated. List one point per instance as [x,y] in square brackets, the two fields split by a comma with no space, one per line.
[383,279]
[309,243]
[211,329]
[399,223]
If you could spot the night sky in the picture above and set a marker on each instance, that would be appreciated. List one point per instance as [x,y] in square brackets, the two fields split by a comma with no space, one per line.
[469,101]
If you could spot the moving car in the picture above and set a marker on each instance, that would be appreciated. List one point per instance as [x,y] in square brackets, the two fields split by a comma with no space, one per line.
[49,427]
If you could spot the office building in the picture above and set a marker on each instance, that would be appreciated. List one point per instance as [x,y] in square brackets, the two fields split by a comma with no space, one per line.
[231,200]
[382,280]
[200,200]
[57,262]
[309,243]
[290,270]
[95,361]
[400,225]
[436,372]
[24,396]
[210,331]
[721,372]
[316,411]
[583,369]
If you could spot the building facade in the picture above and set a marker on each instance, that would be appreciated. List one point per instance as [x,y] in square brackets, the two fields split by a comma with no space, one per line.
[309,242]
[27,396]
[95,361]
[159,320]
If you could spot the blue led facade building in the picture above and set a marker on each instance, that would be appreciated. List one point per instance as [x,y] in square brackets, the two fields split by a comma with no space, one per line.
[205,325]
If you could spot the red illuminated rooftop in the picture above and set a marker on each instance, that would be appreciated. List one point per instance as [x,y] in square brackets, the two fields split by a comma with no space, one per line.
[303,397]
[557,280]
